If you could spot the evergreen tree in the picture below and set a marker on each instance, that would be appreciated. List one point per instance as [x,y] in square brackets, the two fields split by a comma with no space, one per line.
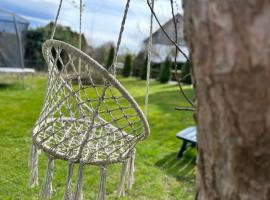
[144,70]
[185,74]
[165,72]
[127,66]
[110,57]
[138,64]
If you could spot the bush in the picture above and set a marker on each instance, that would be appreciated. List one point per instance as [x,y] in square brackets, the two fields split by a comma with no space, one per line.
[110,57]
[185,74]
[138,64]
[127,66]
[144,70]
[165,72]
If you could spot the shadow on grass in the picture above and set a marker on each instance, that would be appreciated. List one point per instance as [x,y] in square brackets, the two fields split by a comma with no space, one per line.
[5,86]
[182,169]
[167,99]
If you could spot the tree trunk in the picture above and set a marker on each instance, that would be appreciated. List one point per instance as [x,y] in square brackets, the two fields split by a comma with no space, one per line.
[230,51]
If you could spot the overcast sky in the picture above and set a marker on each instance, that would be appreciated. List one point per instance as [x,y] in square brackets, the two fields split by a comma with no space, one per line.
[101,19]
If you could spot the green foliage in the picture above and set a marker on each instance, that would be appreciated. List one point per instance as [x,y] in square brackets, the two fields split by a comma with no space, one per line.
[138,64]
[127,66]
[144,70]
[165,72]
[167,178]
[185,74]
[110,57]
[36,37]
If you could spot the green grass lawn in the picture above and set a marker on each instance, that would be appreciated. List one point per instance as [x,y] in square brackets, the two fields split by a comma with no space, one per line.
[158,176]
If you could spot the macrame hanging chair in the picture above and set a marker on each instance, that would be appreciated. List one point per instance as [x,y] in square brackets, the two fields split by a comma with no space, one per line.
[88,117]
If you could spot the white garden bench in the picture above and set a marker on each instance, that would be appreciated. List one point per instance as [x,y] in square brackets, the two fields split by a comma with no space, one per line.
[189,136]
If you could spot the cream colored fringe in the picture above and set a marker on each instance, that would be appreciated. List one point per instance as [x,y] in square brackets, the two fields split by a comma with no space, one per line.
[68,191]
[78,193]
[131,171]
[46,191]
[33,164]
[121,190]
[102,185]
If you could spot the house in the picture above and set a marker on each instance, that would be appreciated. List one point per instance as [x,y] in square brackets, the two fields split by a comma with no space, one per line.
[162,46]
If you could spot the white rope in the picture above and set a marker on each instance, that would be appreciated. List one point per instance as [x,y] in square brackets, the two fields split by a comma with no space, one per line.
[33,164]
[80,27]
[112,69]
[121,190]
[78,193]
[102,185]
[80,35]
[149,56]
[131,170]
[46,191]
[56,18]
[68,191]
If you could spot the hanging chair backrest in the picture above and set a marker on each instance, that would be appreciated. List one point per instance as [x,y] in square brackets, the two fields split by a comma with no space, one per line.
[83,96]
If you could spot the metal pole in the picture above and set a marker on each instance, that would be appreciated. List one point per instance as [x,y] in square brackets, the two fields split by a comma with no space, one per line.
[19,39]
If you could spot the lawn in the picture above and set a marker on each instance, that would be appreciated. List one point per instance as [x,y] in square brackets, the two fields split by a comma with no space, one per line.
[158,176]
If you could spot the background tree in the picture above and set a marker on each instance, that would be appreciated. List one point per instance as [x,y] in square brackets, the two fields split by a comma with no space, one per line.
[185,75]
[138,63]
[165,72]
[101,52]
[36,37]
[110,57]
[230,47]
[127,66]
[144,70]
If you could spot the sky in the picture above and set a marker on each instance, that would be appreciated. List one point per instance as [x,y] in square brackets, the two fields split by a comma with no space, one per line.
[101,18]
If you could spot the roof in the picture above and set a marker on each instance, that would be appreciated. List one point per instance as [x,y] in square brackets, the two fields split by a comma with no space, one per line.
[160,38]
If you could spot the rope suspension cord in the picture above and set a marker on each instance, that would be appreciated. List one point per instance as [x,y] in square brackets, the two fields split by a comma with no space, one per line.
[149,56]
[112,69]
[80,26]
[80,23]
[80,34]
[56,18]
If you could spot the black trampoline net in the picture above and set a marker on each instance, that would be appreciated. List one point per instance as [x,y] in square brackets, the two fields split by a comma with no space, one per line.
[13,30]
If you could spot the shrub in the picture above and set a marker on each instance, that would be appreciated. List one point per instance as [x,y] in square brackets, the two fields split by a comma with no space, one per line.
[138,64]
[185,74]
[165,72]
[110,57]
[144,70]
[127,66]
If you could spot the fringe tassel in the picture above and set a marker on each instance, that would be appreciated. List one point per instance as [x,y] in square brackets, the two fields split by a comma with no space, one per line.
[121,190]
[68,191]
[46,191]
[78,193]
[102,185]
[33,164]
[131,170]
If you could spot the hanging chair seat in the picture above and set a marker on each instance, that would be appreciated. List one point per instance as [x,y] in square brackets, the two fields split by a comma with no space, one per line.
[94,121]
[88,117]
[63,138]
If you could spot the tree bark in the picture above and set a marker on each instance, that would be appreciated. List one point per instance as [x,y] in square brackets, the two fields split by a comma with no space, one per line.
[230,51]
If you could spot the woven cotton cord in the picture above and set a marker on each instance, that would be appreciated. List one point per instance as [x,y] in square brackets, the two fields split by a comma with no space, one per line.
[149,57]
[80,34]
[56,18]
[112,68]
